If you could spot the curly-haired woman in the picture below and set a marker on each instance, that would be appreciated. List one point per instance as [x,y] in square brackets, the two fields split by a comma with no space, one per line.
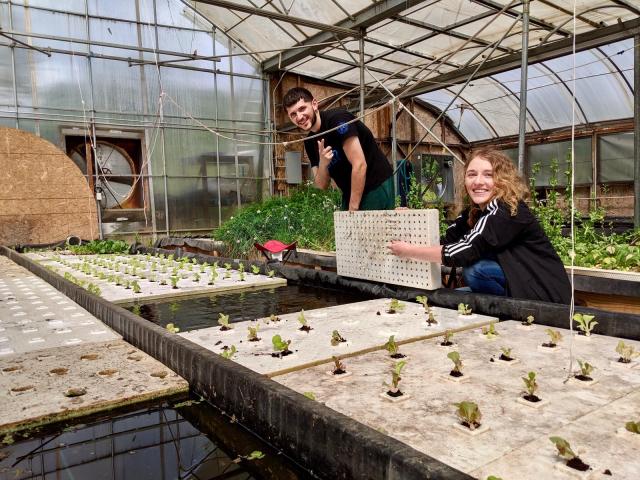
[496,239]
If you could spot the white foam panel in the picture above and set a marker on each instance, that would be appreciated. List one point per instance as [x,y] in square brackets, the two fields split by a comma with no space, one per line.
[361,246]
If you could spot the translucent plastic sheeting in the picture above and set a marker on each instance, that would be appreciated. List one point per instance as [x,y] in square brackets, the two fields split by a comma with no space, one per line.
[615,155]
[543,154]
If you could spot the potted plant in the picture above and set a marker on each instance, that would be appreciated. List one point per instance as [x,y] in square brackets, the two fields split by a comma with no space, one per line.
[280,347]
[555,337]
[392,347]
[446,341]
[395,306]
[223,321]
[469,415]
[336,338]
[305,327]
[565,452]
[394,389]
[586,323]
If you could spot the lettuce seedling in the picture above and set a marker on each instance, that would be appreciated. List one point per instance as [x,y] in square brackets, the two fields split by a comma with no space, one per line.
[529,321]
[213,276]
[394,390]
[469,414]
[633,427]
[336,338]
[174,281]
[223,321]
[274,318]
[506,354]
[586,323]
[464,309]
[392,347]
[457,364]
[564,451]
[241,267]
[490,331]
[339,367]
[203,267]
[395,306]
[446,342]
[228,352]
[127,284]
[255,269]
[227,267]
[280,346]
[554,338]
[136,286]
[271,273]
[194,260]
[241,276]
[196,277]
[303,321]
[431,319]
[585,371]
[531,386]
[253,333]
[310,395]
[172,328]
[424,301]
[626,352]
[227,274]
[163,281]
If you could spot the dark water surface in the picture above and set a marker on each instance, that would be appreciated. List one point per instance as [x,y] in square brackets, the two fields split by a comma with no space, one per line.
[184,438]
[202,312]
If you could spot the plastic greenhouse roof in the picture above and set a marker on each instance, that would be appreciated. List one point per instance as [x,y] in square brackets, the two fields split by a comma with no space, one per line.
[429,48]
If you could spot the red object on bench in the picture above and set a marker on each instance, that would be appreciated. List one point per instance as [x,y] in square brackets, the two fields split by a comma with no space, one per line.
[276,250]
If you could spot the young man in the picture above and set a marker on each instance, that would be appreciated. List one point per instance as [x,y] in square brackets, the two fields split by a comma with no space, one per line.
[348,153]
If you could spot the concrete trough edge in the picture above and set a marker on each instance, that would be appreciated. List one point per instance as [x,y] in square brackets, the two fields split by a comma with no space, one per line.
[338,448]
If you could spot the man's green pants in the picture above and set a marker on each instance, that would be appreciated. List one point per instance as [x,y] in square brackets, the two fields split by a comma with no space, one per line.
[380,198]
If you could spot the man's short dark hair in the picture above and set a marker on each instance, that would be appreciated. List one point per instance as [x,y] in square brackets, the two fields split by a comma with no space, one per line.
[294,95]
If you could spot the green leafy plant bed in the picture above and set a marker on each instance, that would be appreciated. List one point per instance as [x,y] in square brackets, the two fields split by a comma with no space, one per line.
[306,216]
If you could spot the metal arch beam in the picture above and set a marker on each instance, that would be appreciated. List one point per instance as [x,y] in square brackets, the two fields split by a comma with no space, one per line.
[616,69]
[584,41]
[364,18]
[345,31]
[627,4]
[512,13]
[476,112]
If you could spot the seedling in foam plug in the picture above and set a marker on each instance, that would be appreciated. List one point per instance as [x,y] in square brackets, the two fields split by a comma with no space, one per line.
[457,364]
[280,347]
[241,276]
[555,337]
[303,321]
[271,273]
[531,386]
[506,354]
[228,352]
[241,267]
[529,321]
[336,338]
[136,286]
[633,427]
[223,321]
[424,301]
[586,323]
[565,452]
[490,331]
[469,414]
[255,269]
[394,389]
[585,371]
[464,309]
[392,347]
[274,318]
[253,333]
[395,306]
[446,342]
[626,352]
[339,367]
[174,281]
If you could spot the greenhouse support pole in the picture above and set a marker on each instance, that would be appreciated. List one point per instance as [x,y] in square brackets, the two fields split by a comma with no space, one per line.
[636,132]
[522,131]
[361,62]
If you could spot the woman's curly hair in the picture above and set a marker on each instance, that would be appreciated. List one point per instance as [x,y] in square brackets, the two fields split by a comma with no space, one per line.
[508,183]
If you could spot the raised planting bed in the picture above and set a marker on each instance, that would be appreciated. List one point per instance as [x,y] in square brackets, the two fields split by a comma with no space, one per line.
[126,279]
[510,440]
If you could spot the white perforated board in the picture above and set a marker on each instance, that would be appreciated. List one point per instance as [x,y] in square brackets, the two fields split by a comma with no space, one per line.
[361,246]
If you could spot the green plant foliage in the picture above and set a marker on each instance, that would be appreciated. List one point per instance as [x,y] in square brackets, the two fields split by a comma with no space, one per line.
[336,338]
[306,216]
[633,427]
[469,413]
[457,361]
[280,345]
[564,449]
[223,320]
[229,352]
[395,306]
[586,323]
[555,336]
[585,368]
[172,328]
[464,309]
[626,351]
[490,331]
[310,395]
[530,383]
[100,246]
[391,346]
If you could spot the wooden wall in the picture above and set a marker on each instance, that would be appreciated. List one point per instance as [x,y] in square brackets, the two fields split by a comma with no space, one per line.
[44,198]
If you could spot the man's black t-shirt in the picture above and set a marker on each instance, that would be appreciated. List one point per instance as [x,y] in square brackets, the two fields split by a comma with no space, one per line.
[378,168]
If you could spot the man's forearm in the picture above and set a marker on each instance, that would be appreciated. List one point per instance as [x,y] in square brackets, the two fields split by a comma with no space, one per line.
[321,178]
[358,177]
